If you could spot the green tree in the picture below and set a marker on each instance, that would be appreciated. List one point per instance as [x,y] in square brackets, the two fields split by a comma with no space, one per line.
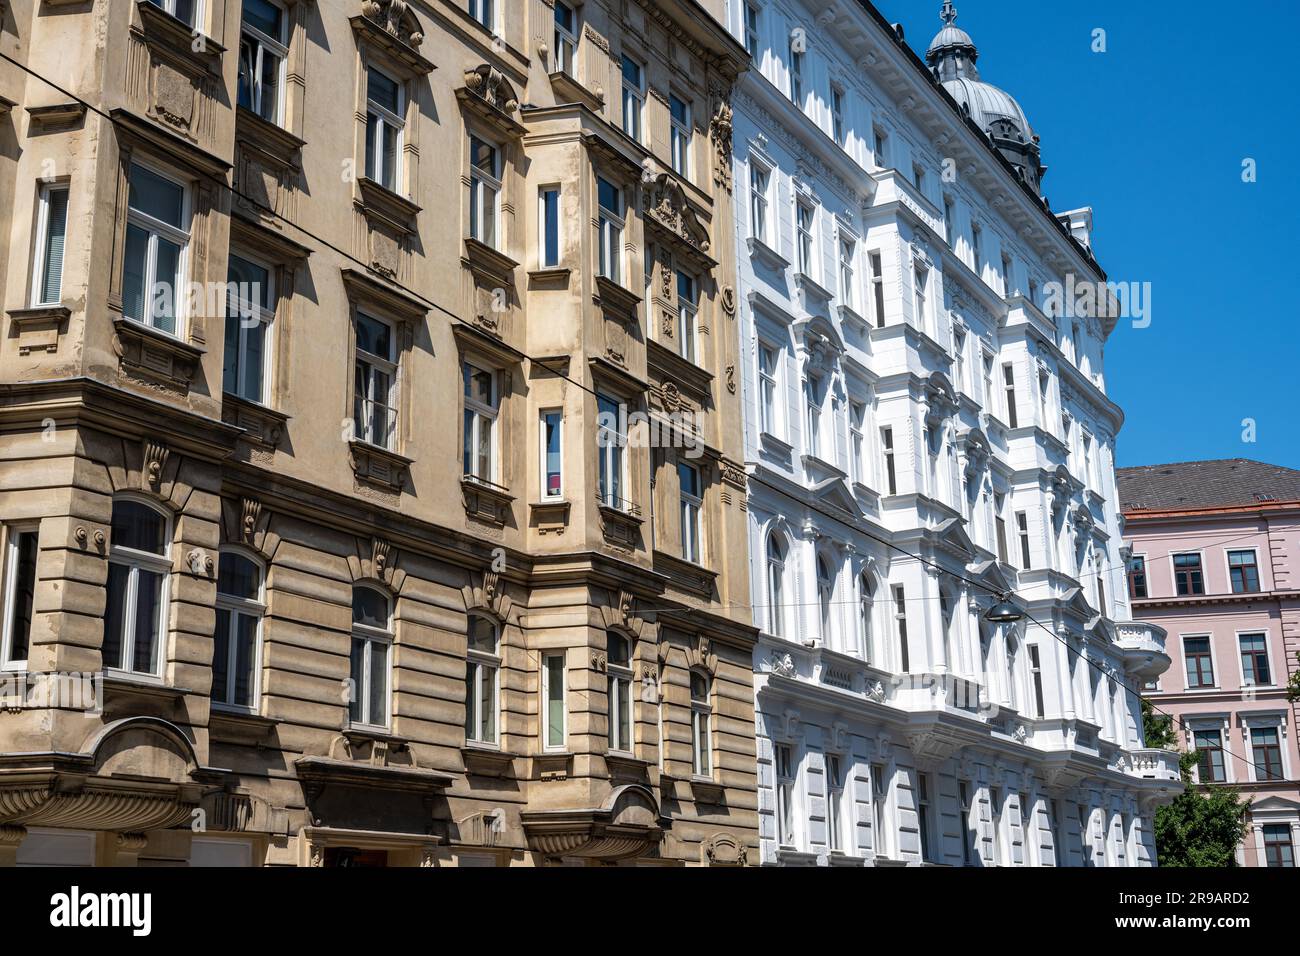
[1204,825]
[1293,688]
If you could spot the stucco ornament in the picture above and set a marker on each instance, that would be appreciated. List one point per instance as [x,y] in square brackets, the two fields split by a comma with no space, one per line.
[396,18]
[783,664]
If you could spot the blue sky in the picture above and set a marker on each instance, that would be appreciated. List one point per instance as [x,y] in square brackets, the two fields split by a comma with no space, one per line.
[1152,134]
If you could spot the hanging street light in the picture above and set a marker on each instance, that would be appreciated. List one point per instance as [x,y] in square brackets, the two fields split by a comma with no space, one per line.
[1003,611]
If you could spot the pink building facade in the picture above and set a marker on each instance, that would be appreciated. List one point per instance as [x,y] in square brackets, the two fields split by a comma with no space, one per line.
[1214,559]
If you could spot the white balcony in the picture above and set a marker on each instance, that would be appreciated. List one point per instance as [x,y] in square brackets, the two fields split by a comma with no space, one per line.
[1143,647]
[1152,764]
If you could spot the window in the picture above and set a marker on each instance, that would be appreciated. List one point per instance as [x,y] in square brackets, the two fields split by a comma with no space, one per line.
[920,277]
[548,219]
[959,359]
[484,12]
[999,504]
[848,293]
[976,248]
[1243,571]
[767,391]
[804,222]
[796,68]
[566,38]
[701,713]
[679,114]
[1009,386]
[1137,576]
[996,811]
[879,809]
[1254,660]
[688,304]
[923,816]
[751,29]
[610,224]
[1266,752]
[825,598]
[375,384]
[482,405]
[900,618]
[552,426]
[775,583]
[1187,574]
[19,569]
[1208,745]
[262,52]
[834,803]
[784,795]
[813,399]
[918,178]
[1006,274]
[878,288]
[1036,675]
[139,566]
[482,679]
[484,191]
[887,444]
[633,97]
[372,641]
[610,442]
[692,500]
[1085,836]
[880,144]
[153,261]
[384,123]
[857,444]
[759,179]
[184,10]
[1044,387]
[950,220]
[553,701]
[1278,849]
[250,311]
[1022,530]
[1200,664]
[619,690]
[236,653]
[866,607]
[837,115]
[968,850]
[51,233]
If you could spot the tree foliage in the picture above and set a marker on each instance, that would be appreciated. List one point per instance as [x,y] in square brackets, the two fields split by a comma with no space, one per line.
[1293,688]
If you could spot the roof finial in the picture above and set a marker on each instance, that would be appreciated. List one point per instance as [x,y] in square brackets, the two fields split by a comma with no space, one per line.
[949,12]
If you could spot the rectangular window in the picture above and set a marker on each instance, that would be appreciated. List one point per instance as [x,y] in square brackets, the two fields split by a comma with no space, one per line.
[996,812]
[767,369]
[153,260]
[1036,675]
[184,10]
[977,248]
[837,115]
[236,657]
[51,234]
[482,680]
[566,38]
[880,144]
[618,690]
[263,47]
[250,312]
[701,718]
[385,110]
[633,97]
[950,220]
[918,178]
[1006,274]
[967,832]
[484,12]
[959,359]
[1187,574]
[848,292]
[692,500]
[552,425]
[887,443]
[1137,576]
[19,569]
[796,69]
[1266,751]
[375,383]
[553,700]
[679,116]
[481,410]
[610,225]
[759,179]
[857,443]
[920,277]
[900,618]
[1279,851]
[812,401]
[879,810]
[1009,385]
[878,288]
[834,803]
[1243,571]
[751,30]
[1199,662]
[1208,745]
[688,294]
[999,519]
[135,617]
[804,223]
[1254,660]
[548,219]
[1022,530]
[923,816]
[610,444]
[784,795]
[484,191]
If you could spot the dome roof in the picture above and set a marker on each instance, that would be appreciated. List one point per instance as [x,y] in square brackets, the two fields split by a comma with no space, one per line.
[950,37]
[987,104]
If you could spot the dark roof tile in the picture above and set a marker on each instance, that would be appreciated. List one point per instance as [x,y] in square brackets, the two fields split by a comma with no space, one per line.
[1196,485]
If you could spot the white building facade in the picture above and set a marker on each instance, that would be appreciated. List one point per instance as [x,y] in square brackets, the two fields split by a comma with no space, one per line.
[921,436]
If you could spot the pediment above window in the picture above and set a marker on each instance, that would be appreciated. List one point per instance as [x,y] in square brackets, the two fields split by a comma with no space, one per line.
[364,290]
[491,97]
[392,26]
[669,211]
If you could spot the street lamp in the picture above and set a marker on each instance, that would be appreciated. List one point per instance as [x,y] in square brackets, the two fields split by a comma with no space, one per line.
[1003,611]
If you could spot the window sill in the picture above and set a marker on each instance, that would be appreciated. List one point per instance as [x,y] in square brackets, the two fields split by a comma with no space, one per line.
[240,727]
[39,327]
[708,791]
[776,445]
[549,517]
[568,86]
[550,277]
[686,574]
[377,466]
[616,297]
[155,358]
[486,501]
[621,527]
[262,426]
[356,734]
[486,760]
[552,765]
[765,254]
[387,204]
[624,766]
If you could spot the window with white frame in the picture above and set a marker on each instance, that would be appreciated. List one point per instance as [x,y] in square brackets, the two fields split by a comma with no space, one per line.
[691,498]
[187,11]
[553,701]
[375,382]
[263,49]
[236,642]
[959,359]
[1266,752]
[482,679]
[776,552]
[857,442]
[797,42]
[139,566]
[688,306]
[482,407]
[825,598]
[484,191]
[848,284]
[838,132]
[887,453]
[250,312]
[552,453]
[1022,531]
[484,11]
[385,112]
[19,581]
[566,38]
[877,288]
[372,642]
[1255,671]
[610,230]
[701,718]
[813,406]
[834,803]
[880,146]
[767,387]
[921,280]
[900,623]
[760,179]
[611,444]
[548,226]
[880,810]
[784,772]
[866,610]
[752,20]
[633,97]
[924,815]
[679,121]
[1036,679]
[805,223]
[157,240]
[51,237]
[618,687]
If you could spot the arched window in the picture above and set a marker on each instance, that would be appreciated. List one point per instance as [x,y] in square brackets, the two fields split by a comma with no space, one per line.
[482,679]
[825,597]
[372,641]
[775,584]
[135,618]
[866,605]
[701,716]
[236,643]
[618,656]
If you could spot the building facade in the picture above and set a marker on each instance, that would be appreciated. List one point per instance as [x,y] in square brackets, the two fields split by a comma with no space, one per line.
[370,435]
[924,432]
[1213,560]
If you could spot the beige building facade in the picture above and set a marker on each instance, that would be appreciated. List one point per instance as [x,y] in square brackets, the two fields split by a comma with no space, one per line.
[369,435]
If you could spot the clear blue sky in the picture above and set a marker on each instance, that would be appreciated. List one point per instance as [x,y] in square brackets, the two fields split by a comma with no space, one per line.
[1152,135]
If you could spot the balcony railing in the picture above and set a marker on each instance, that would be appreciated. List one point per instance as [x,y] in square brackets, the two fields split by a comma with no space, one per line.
[1153,764]
[1143,646]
